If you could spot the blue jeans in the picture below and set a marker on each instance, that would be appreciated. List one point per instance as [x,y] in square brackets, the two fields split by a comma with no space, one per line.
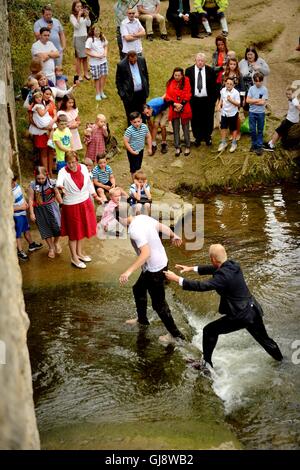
[256,124]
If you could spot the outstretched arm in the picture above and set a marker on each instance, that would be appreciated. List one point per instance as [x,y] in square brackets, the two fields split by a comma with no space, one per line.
[141,259]
[167,231]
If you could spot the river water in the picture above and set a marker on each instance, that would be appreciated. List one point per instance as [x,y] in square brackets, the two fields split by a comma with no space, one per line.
[99,384]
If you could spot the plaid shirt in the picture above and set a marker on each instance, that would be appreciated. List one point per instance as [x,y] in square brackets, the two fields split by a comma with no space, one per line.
[121,8]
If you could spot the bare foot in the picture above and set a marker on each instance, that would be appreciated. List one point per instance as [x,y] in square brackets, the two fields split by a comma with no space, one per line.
[51,254]
[58,249]
[131,321]
[167,338]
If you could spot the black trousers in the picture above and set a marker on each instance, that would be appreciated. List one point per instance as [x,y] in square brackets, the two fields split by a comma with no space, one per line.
[203,110]
[225,325]
[94,8]
[154,283]
[179,22]
[136,103]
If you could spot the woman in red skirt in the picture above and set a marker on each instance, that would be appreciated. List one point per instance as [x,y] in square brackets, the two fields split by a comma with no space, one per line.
[78,219]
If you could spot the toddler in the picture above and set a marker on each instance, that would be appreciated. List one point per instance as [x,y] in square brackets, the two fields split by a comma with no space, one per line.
[109,222]
[61,80]
[140,195]
[95,136]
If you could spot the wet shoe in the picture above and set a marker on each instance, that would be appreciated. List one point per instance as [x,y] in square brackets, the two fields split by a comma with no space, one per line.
[164,148]
[222,146]
[79,265]
[268,148]
[35,246]
[86,259]
[22,255]
[233,147]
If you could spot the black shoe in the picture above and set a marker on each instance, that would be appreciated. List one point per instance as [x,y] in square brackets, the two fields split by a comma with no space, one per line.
[179,38]
[259,152]
[164,148]
[197,143]
[154,148]
[267,147]
[164,37]
[208,142]
[22,255]
[197,36]
[177,152]
[35,246]
[252,149]
[150,37]
[225,34]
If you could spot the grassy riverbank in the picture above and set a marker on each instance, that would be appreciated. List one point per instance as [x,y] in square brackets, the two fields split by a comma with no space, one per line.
[206,169]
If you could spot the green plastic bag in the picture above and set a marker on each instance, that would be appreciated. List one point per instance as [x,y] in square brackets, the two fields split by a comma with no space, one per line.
[245,129]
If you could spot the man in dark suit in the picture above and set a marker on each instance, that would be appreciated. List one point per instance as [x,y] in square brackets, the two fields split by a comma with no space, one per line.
[179,13]
[239,307]
[132,82]
[203,83]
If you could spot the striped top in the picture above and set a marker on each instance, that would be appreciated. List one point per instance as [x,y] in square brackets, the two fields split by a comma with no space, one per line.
[136,137]
[102,176]
[18,200]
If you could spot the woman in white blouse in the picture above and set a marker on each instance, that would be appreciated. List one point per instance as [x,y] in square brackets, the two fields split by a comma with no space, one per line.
[80,21]
[78,218]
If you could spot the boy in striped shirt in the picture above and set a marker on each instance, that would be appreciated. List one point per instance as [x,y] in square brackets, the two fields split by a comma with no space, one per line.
[103,178]
[134,140]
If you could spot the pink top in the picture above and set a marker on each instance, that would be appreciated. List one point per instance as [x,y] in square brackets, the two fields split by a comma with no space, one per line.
[95,143]
[109,213]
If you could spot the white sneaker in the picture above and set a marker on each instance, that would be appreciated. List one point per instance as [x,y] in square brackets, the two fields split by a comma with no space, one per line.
[233,147]
[222,146]
[103,96]
[98,98]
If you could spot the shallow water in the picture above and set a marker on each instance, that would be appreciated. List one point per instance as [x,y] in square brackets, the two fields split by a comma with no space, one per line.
[101,384]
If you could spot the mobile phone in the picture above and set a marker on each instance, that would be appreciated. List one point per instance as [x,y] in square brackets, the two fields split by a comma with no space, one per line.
[76,78]
[260,96]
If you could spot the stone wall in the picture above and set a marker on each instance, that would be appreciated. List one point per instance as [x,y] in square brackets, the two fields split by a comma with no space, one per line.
[18,429]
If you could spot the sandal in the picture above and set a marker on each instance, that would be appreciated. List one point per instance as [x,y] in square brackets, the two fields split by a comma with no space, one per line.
[87,77]
[58,249]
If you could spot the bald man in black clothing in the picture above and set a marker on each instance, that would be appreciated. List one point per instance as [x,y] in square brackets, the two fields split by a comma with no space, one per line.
[239,308]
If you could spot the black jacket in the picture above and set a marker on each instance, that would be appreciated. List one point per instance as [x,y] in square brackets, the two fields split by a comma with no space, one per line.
[124,80]
[210,81]
[228,280]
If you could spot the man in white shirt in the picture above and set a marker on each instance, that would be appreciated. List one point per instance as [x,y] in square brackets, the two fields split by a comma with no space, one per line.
[57,35]
[144,235]
[148,12]
[132,31]
[47,52]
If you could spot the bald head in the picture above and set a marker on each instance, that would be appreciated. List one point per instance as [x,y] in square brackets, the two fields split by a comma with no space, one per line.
[217,254]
